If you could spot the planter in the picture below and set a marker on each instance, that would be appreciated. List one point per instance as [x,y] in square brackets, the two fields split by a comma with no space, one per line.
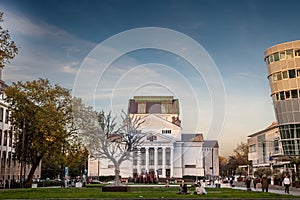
[112,188]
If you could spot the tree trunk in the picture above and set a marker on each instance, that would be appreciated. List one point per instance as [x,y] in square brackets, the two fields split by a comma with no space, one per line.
[32,169]
[117,175]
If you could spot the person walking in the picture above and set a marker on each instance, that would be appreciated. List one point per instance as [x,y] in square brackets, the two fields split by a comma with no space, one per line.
[264,183]
[286,183]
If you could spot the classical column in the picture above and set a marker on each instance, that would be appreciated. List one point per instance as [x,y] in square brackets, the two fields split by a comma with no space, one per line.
[138,164]
[147,159]
[163,162]
[171,161]
[155,160]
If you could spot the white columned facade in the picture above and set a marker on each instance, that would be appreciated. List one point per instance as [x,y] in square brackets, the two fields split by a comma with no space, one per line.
[155,160]
[171,161]
[138,163]
[164,162]
[147,159]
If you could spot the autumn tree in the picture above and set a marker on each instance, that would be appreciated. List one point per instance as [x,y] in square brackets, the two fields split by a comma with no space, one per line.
[8,49]
[41,114]
[239,157]
[105,139]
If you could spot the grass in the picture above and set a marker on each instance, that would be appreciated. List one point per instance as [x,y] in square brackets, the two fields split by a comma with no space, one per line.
[56,193]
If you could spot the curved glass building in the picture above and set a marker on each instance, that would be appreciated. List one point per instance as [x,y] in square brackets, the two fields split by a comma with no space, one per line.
[283,66]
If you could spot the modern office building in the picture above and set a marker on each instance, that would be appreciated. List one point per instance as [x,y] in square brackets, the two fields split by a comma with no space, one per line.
[265,149]
[283,66]
[165,151]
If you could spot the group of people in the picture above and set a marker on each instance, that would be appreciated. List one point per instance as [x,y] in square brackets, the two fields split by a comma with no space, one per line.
[199,188]
[265,181]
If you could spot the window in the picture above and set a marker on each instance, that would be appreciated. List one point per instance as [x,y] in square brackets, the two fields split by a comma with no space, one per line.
[6,116]
[267,60]
[0,137]
[151,156]
[271,58]
[276,56]
[279,76]
[252,148]
[287,94]
[274,77]
[168,156]
[166,131]
[292,73]
[135,157]
[10,138]
[281,95]
[277,96]
[294,93]
[289,53]
[159,156]
[285,74]
[1,114]
[143,156]
[5,138]
[276,145]
[190,166]
[282,55]
[297,52]
[298,72]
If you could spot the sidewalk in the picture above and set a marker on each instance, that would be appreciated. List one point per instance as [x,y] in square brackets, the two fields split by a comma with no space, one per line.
[293,191]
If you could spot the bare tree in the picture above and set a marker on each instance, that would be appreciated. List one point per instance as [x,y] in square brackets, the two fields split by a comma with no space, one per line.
[106,140]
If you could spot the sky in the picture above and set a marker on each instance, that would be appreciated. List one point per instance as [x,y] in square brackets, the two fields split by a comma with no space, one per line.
[207,54]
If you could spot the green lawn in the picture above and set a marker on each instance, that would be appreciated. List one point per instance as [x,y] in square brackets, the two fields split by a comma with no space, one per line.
[42,193]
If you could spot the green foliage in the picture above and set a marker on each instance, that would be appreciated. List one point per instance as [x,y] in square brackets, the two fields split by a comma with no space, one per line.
[8,48]
[43,113]
[261,171]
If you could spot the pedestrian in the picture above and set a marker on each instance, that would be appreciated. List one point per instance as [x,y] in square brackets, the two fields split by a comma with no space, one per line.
[286,183]
[265,183]
[248,183]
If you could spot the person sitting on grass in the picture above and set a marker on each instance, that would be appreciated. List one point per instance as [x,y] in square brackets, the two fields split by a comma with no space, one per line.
[183,188]
[199,188]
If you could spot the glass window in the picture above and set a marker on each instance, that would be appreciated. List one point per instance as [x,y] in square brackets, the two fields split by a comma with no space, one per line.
[279,76]
[6,116]
[276,145]
[277,96]
[1,114]
[289,53]
[287,94]
[274,77]
[281,95]
[271,58]
[294,93]
[282,55]
[284,75]
[276,56]
[298,72]
[159,156]
[292,73]
[5,138]
[297,52]
[151,156]
[267,60]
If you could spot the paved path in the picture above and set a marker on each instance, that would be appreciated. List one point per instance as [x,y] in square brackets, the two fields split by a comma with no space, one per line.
[293,191]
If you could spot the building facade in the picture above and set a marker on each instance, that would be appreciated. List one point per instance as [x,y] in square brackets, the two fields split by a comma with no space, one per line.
[165,151]
[265,148]
[283,66]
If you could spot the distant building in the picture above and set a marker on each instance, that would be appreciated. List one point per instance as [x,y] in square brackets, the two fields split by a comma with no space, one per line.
[165,151]
[283,66]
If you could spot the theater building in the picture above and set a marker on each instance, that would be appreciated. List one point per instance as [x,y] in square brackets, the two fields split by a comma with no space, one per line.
[165,151]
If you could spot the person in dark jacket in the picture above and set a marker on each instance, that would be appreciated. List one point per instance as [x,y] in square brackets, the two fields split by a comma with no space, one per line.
[264,183]
[248,183]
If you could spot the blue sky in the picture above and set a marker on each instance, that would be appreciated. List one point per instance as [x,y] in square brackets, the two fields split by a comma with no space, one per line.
[56,38]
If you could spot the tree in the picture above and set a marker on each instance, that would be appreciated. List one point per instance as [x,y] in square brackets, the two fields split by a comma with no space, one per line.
[105,140]
[42,119]
[8,49]
[240,157]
